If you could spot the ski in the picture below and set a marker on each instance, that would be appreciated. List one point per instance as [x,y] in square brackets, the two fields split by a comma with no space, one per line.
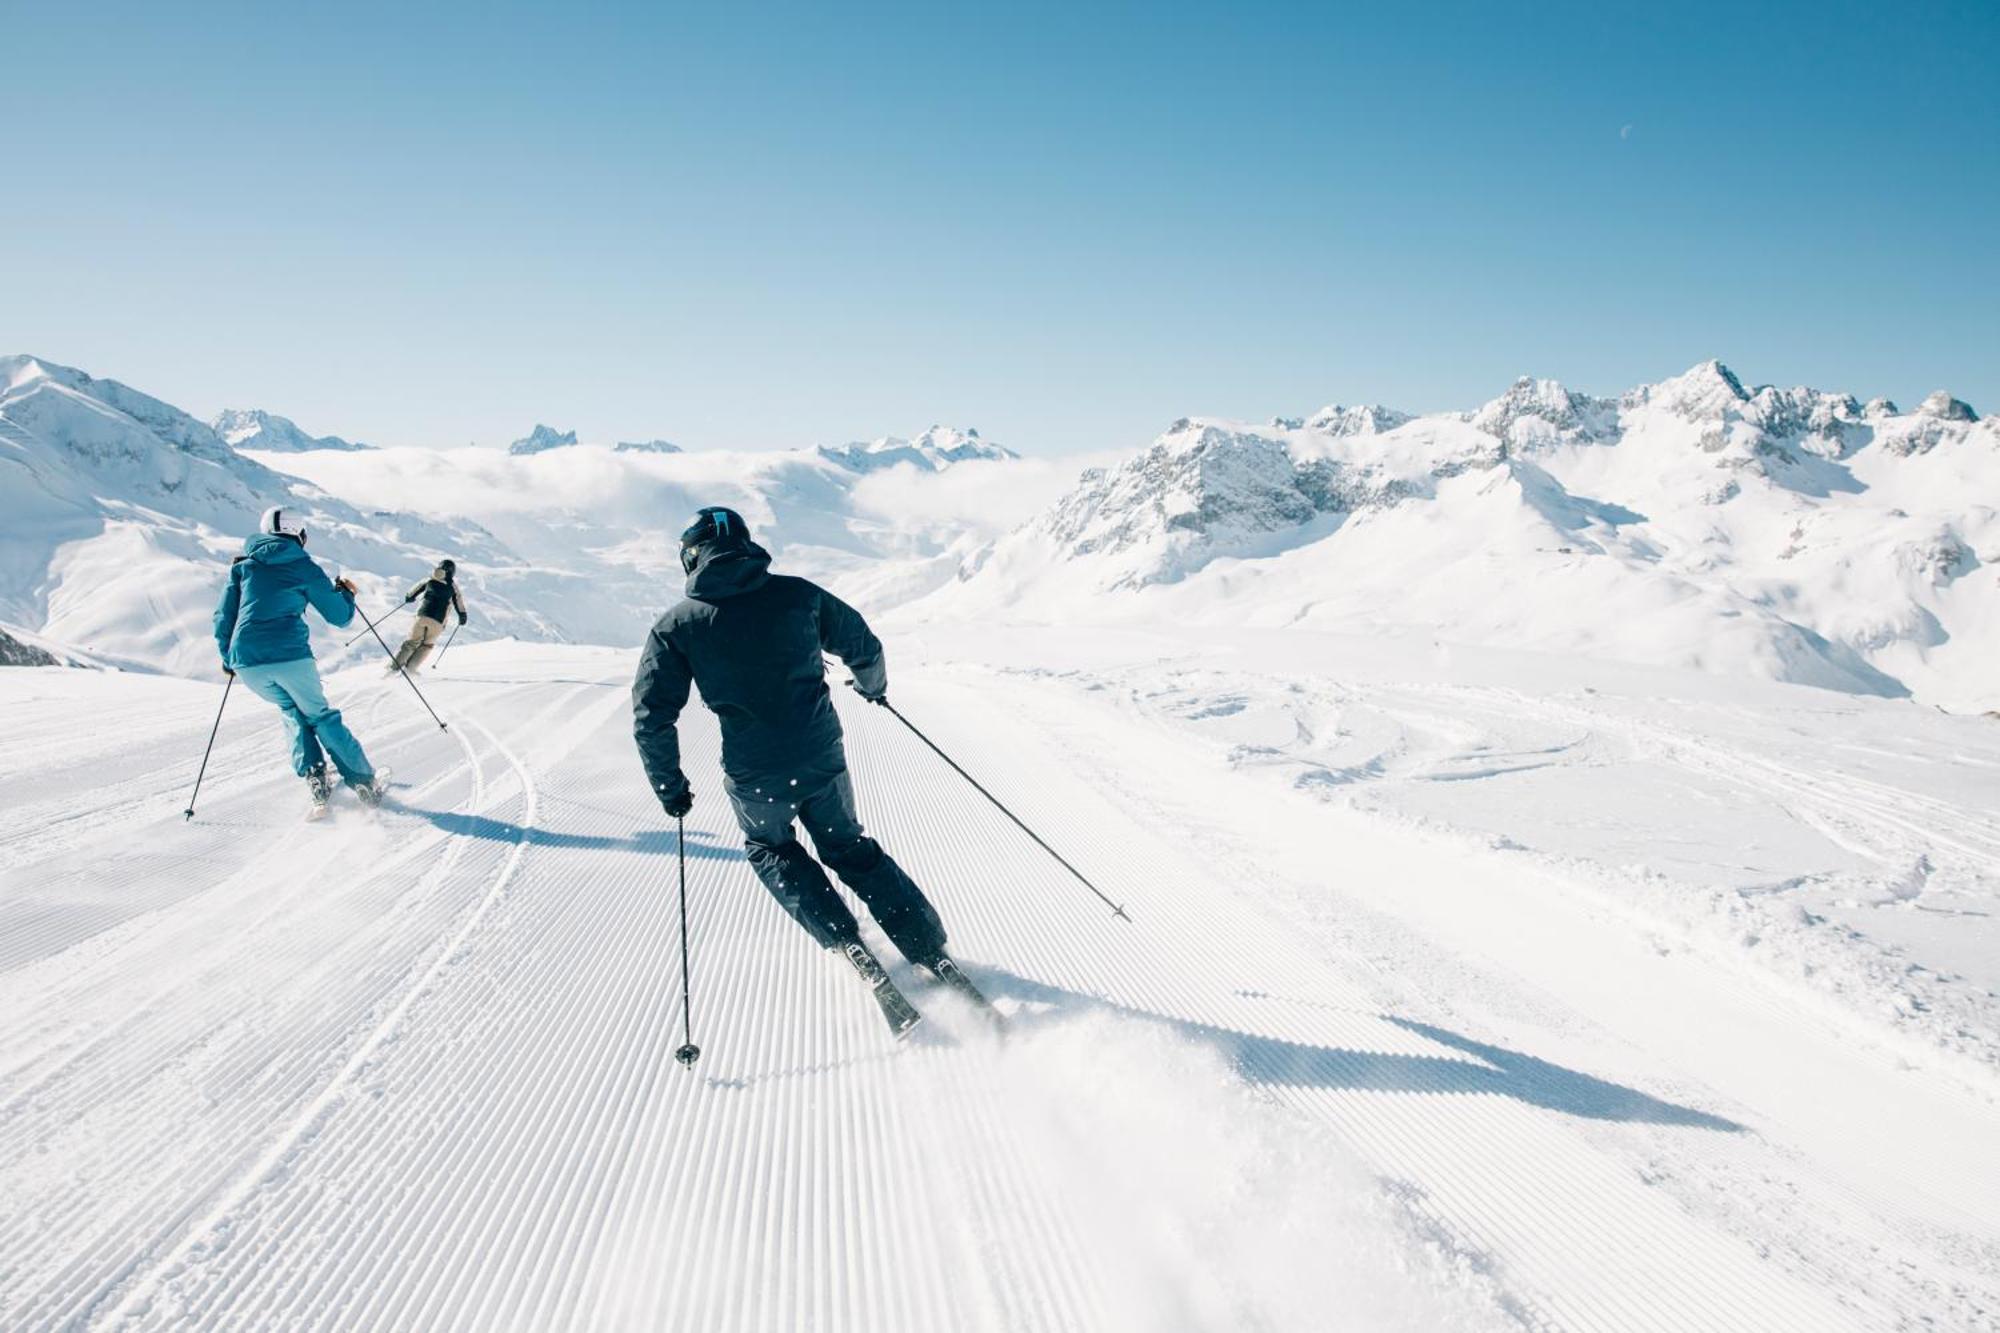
[371,793]
[953,978]
[897,1011]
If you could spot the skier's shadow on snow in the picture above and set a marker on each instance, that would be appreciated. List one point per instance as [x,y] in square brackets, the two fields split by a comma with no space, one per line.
[1277,1062]
[701,846]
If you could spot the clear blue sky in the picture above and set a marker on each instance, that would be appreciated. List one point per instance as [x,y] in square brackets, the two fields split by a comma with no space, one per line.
[1065,224]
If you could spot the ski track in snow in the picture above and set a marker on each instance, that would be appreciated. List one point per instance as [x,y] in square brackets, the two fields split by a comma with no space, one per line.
[414,1069]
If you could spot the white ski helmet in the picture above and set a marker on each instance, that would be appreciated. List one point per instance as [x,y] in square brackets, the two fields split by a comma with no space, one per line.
[275,524]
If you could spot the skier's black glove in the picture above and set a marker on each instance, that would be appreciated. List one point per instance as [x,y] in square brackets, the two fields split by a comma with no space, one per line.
[680,802]
[882,698]
[411,598]
[229,671]
[462,617]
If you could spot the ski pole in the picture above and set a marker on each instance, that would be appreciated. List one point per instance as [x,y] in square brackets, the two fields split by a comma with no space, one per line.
[385,620]
[399,668]
[1116,909]
[203,770]
[447,644]
[689,1052]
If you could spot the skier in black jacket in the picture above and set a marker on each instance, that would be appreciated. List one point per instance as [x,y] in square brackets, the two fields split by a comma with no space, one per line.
[440,593]
[754,642]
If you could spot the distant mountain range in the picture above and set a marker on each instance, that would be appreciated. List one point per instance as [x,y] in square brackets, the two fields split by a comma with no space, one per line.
[933,451]
[1790,533]
[542,439]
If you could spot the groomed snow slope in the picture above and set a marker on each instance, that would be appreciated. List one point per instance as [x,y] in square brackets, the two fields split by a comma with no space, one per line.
[415,1069]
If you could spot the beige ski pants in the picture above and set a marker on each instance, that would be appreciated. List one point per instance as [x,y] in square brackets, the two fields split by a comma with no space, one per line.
[423,637]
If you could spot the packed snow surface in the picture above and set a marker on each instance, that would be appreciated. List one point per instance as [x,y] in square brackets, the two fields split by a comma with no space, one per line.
[1357,1062]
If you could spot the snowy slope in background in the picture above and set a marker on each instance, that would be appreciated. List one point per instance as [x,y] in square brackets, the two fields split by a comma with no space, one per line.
[880,531]
[119,515]
[119,512]
[1789,534]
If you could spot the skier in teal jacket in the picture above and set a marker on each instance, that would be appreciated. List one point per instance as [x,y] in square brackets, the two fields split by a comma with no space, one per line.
[260,629]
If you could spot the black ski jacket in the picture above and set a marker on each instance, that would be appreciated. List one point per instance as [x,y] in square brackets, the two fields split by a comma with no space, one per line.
[440,595]
[753,641]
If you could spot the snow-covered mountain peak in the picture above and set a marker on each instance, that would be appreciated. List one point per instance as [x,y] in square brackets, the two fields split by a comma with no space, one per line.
[1539,412]
[1939,420]
[16,371]
[1707,392]
[936,449]
[1198,487]
[1208,488]
[250,428]
[1759,429]
[542,438]
[647,447]
[1830,425]
[100,421]
[1371,419]
[951,440]
[1945,407]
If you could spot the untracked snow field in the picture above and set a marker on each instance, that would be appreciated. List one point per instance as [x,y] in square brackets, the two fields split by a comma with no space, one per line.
[1464,990]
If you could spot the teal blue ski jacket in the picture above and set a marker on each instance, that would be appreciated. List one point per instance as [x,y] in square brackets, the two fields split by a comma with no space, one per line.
[261,618]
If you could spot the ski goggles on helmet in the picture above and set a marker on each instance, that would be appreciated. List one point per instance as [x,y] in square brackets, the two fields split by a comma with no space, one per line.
[714,526]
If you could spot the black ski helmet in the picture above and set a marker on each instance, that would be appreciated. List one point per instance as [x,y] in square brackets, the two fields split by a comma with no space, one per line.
[449,567]
[714,528]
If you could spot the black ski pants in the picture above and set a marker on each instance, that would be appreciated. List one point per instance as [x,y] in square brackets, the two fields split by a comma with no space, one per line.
[801,886]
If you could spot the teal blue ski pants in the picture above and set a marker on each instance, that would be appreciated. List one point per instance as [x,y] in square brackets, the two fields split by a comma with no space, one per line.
[317,731]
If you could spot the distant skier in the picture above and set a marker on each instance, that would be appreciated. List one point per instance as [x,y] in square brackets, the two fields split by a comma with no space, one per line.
[753,641]
[440,593]
[260,628]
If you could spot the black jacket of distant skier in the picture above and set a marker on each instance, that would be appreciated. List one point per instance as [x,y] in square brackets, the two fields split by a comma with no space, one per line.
[754,643]
[440,593]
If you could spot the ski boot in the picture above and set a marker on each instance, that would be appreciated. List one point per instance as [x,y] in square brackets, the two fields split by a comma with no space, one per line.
[946,969]
[897,1011]
[372,791]
[321,792]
